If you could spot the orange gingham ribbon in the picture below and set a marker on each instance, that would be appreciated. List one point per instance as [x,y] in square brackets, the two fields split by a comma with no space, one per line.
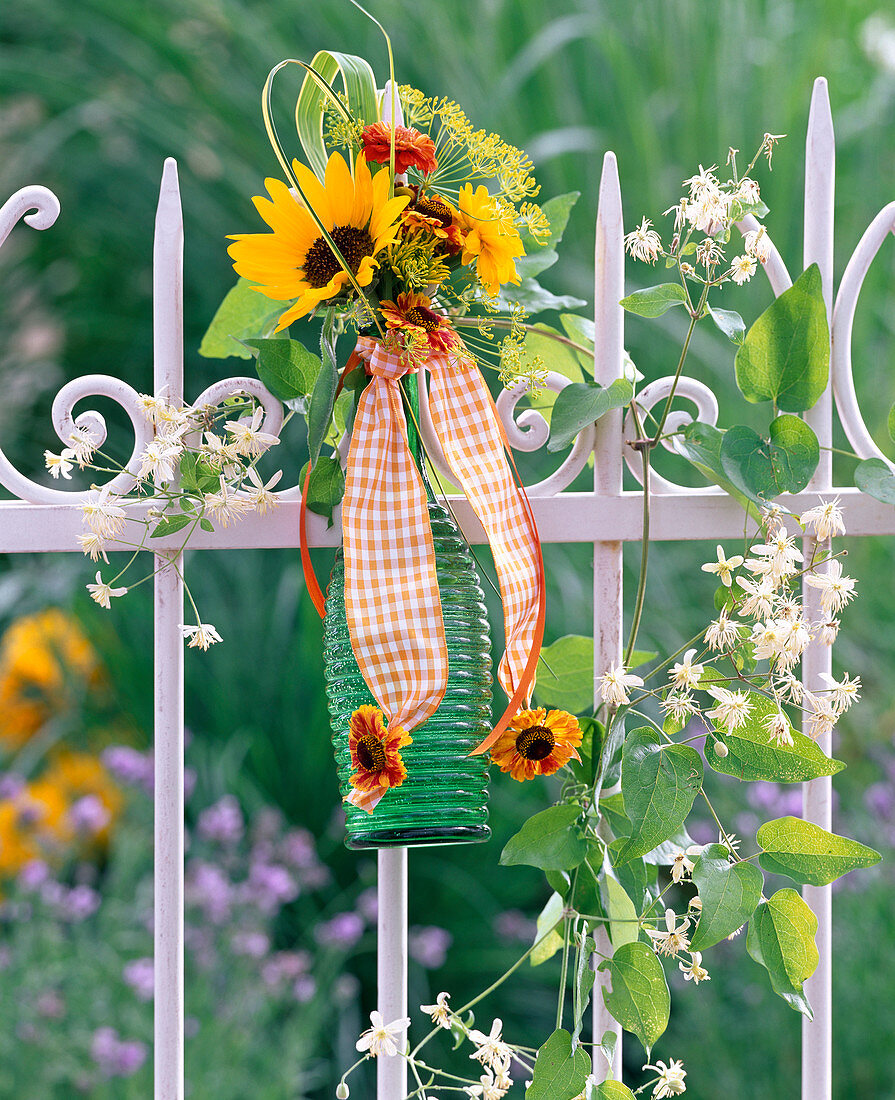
[392,601]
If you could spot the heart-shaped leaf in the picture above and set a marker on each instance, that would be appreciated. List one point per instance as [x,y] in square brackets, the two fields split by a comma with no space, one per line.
[653,301]
[764,468]
[639,998]
[560,1073]
[566,674]
[729,893]
[286,367]
[550,840]
[751,754]
[730,323]
[700,444]
[244,312]
[808,854]
[785,357]
[781,939]
[659,783]
[582,404]
[875,478]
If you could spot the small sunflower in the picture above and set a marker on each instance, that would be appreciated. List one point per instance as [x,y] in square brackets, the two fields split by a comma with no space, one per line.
[295,260]
[489,238]
[537,743]
[375,760]
[413,312]
[412,149]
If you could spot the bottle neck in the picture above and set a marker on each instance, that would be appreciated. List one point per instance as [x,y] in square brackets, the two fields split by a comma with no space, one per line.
[410,386]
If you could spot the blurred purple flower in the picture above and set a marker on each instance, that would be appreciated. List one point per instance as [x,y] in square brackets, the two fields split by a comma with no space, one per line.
[140,976]
[130,766]
[269,886]
[222,822]
[267,824]
[703,832]
[368,904]
[298,848]
[429,946]
[344,930]
[346,989]
[191,1027]
[880,800]
[285,966]
[33,875]
[116,1057]
[209,888]
[88,815]
[253,944]
[514,926]
[51,1005]
[189,782]
[304,989]
[11,785]
[79,903]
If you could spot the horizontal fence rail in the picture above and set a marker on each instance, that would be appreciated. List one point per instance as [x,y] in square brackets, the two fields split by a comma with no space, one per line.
[45,519]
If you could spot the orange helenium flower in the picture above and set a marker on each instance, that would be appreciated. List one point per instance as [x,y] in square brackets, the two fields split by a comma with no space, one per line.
[489,238]
[375,760]
[295,260]
[537,743]
[412,149]
[413,312]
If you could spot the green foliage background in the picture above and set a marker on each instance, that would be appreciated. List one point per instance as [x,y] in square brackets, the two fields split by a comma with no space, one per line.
[94,95]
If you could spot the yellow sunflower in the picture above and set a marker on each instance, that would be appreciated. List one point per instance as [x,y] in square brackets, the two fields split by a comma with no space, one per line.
[537,743]
[295,261]
[489,238]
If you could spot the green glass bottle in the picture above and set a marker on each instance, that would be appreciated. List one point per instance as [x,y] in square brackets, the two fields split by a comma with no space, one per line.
[444,799]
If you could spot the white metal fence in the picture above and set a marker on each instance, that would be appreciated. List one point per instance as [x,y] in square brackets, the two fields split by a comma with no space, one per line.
[45,520]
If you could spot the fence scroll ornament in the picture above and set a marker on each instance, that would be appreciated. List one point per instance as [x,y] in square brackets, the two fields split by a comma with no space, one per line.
[631,892]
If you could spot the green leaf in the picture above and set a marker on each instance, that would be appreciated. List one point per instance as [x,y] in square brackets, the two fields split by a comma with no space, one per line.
[169,524]
[582,404]
[808,854]
[655,300]
[623,926]
[659,783]
[730,323]
[785,357]
[587,897]
[641,657]
[700,444]
[890,423]
[536,299]
[764,468]
[206,524]
[875,478]
[534,263]
[729,893]
[781,939]
[560,1073]
[593,735]
[556,211]
[584,982]
[550,840]
[320,409]
[326,486]
[752,755]
[547,940]
[639,997]
[566,675]
[612,1090]
[243,313]
[359,86]
[286,367]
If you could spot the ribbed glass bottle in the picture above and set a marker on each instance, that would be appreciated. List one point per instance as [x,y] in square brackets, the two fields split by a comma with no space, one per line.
[444,799]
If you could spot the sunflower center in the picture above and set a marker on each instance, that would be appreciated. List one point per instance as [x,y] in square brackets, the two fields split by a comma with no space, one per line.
[371,753]
[425,318]
[535,743]
[434,208]
[320,263]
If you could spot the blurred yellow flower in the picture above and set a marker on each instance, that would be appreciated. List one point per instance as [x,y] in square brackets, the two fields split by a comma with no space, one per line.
[40,656]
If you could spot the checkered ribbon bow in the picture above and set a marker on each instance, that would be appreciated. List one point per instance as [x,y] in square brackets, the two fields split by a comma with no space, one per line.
[392,601]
